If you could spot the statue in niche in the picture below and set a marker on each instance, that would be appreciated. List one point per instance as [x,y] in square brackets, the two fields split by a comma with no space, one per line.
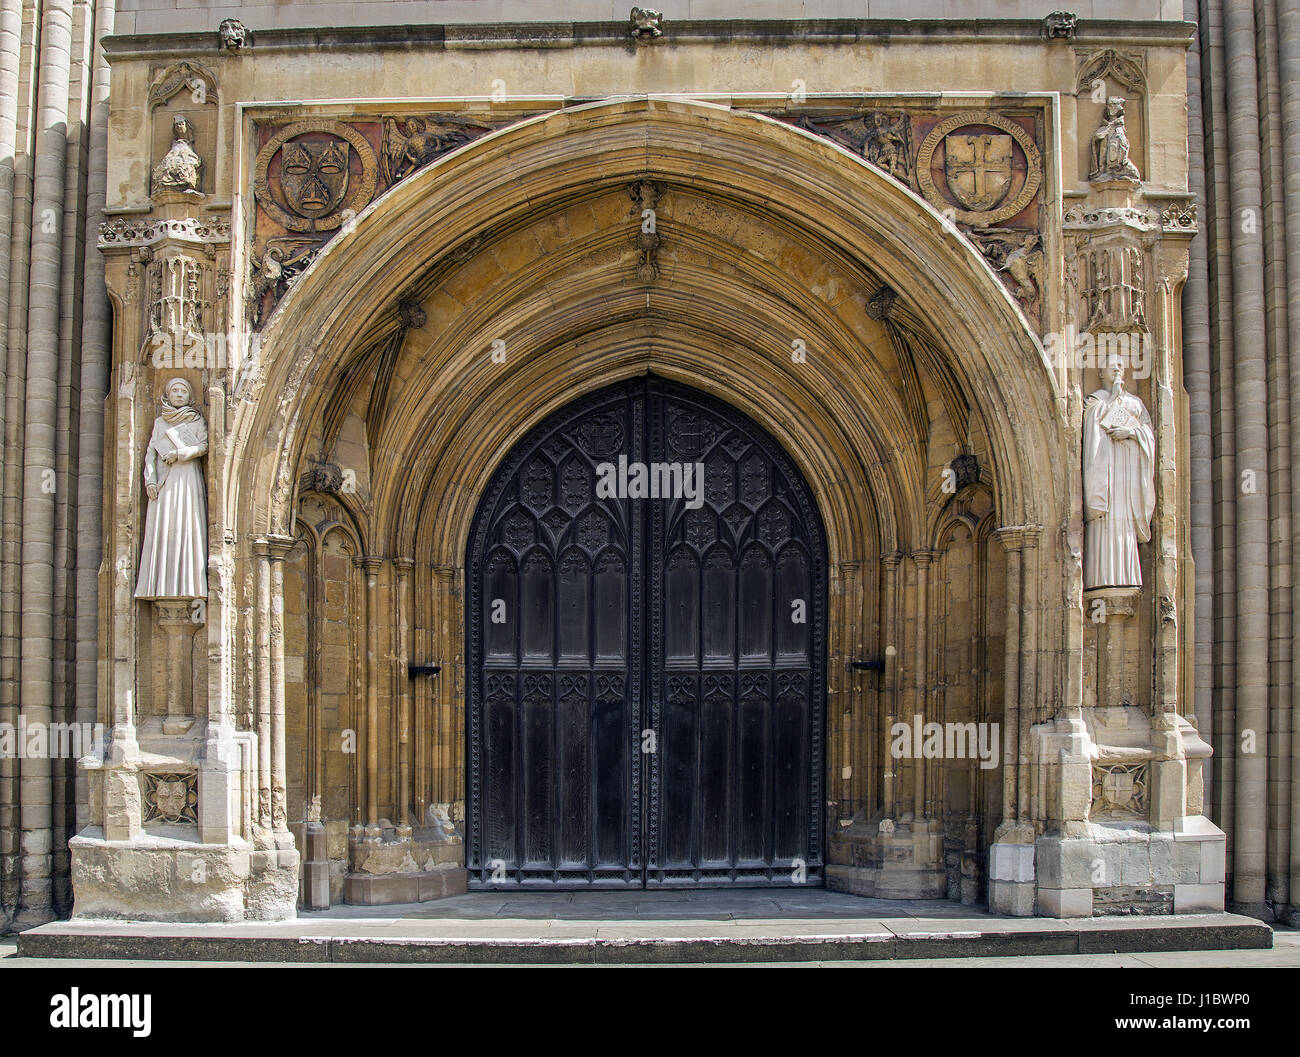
[179,168]
[1119,495]
[1110,146]
[173,561]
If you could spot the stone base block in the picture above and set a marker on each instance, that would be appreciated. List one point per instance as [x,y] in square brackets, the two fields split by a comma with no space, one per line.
[1013,898]
[882,859]
[171,879]
[1128,868]
[382,889]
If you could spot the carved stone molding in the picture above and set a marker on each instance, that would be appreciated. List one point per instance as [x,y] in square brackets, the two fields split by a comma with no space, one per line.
[1060,25]
[128,233]
[645,196]
[646,25]
[881,303]
[1017,256]
[183,76]
[232,36]
[1124,68]
[981,184]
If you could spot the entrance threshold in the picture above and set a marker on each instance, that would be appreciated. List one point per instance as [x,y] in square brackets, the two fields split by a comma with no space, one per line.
[750,925]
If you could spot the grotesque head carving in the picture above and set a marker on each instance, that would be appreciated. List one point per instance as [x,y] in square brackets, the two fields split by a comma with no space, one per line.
[314,176]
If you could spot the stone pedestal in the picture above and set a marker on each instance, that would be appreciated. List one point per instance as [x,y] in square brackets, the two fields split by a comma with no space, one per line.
[176,618]
[1012,885]
[167,878]
[428,865]
[885,859]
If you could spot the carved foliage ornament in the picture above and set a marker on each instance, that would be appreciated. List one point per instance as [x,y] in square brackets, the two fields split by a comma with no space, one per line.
[979,167]
[314,189]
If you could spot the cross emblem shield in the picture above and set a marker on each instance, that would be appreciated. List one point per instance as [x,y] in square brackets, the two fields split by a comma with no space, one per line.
[1117,788]
[978,168]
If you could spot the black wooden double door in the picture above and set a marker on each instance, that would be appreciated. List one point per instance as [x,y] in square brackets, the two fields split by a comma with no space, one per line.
[646,653]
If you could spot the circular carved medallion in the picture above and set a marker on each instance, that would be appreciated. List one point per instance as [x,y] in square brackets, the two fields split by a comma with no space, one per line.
[313,187]
[979,168]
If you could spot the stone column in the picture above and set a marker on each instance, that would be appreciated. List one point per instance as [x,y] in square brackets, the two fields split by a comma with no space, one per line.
[39,445]
[1250,396]
[921,669]
[402,607]
[96,356]
[1027,711]
[1288,15]
[176,618]
[265,826]
[371,566]
[1011,856]
[277,549]
[890,698]
[1012,540]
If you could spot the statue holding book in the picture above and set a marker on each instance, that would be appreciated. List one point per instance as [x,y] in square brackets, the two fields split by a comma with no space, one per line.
[1119,495]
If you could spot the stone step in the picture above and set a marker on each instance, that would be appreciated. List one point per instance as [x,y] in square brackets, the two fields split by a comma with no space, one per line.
[522,941]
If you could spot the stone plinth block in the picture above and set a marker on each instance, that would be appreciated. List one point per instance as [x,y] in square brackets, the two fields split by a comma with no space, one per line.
[163,879]
[383,889]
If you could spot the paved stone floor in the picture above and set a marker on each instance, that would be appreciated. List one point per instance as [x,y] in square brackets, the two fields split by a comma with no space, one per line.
[775,914]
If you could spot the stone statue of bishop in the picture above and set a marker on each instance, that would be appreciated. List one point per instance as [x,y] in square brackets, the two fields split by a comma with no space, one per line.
[1119,496]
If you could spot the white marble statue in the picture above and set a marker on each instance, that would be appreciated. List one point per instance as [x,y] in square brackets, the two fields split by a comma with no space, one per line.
[173,562]
[1119,493]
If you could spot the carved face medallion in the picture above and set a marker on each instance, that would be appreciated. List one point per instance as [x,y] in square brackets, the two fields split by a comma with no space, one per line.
[170,797]
[314,176]
[978,167]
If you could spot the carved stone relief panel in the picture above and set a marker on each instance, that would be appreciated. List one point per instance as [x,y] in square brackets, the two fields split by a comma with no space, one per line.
[981,167]
[183,128]
[1119,791]
[882,137]
[311,177]
[171,798]
[1103,75]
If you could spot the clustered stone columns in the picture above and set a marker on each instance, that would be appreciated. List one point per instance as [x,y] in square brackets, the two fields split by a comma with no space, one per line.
[1241,332]
[402,607]
[371,566]
[272,803]
[1012,883]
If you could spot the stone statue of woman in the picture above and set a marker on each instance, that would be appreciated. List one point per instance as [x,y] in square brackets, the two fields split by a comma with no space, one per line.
[1119,494]
[179,168]
[1110,146]
[173,562]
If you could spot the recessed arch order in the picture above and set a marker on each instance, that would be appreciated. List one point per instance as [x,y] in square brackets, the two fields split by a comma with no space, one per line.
[713,328]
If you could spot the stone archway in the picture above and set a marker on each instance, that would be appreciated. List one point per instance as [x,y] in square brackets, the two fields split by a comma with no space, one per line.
[806,289]
[500,284]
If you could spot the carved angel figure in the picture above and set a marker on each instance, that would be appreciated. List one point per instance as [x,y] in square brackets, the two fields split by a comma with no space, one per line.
[179,168]
[887,144]
[1110,146]
[173,561]
[416,143]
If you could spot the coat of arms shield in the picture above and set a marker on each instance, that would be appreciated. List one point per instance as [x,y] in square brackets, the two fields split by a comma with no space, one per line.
[978,167]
